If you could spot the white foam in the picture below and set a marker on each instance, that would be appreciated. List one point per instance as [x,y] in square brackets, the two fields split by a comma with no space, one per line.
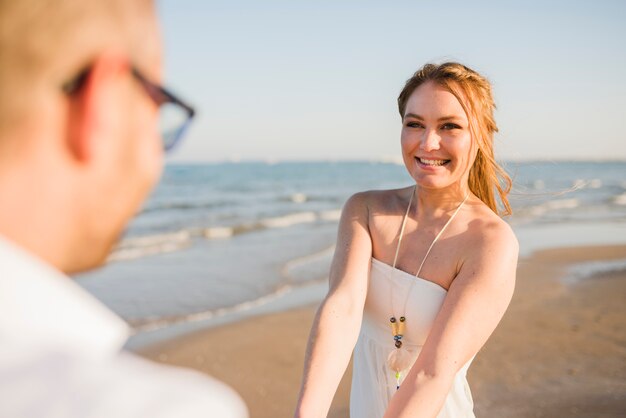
[537,210]
[330,215]
[595,183]
[585,270]
[283,299]
[218,232]
[619,199]
[299,198]
[562,204]
[157,324]
[309,267]
[289,220]
[137,247]
[147,240]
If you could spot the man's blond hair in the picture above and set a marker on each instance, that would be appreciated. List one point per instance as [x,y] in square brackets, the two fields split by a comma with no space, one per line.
[45,42]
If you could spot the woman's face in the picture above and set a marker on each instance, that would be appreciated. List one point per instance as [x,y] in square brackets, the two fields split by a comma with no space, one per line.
[437,147]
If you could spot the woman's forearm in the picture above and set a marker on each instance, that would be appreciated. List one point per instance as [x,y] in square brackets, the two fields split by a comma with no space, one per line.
[333,336]
[421,395]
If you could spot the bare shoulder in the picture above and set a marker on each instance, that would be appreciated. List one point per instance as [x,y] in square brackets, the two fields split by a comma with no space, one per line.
[490,237]
[379,200]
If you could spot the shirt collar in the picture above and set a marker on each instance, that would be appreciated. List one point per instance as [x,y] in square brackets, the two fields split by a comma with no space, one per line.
[40,306]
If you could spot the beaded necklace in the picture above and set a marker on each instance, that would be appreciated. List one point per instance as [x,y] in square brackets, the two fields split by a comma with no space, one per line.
[399,359]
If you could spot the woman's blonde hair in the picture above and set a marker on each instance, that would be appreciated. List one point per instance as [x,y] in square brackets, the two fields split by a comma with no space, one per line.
[473,91]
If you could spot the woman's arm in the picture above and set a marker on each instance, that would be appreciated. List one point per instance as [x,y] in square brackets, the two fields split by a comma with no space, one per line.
[338,320]
[475,303]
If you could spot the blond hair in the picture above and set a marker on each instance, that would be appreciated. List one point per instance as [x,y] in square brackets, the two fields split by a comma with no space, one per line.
[44,42]
[473,91]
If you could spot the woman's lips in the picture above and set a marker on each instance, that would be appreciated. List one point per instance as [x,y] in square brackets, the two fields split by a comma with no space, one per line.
[431,162]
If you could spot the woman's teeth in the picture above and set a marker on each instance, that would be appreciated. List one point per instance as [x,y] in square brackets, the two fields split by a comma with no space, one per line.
[432,162]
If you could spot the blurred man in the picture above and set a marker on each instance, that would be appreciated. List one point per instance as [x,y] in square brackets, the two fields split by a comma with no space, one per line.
[79,151]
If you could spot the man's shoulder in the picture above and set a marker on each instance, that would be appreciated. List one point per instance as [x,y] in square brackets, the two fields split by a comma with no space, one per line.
[123,385]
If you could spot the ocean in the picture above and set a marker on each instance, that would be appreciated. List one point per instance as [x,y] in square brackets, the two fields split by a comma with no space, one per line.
[219,239]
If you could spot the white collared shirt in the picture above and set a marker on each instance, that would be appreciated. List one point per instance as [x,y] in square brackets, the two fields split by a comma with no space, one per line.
[61,356]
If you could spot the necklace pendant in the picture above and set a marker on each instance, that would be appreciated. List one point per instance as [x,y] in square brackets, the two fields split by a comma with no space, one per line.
[399,360]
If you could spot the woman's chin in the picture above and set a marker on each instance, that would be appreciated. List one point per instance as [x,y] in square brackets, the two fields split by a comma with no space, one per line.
[432,180]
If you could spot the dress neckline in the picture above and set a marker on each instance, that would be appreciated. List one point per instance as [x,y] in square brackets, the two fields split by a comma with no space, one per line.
[409,275]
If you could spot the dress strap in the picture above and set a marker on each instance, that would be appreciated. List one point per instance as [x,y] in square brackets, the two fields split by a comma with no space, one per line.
[438,235]
[406,216]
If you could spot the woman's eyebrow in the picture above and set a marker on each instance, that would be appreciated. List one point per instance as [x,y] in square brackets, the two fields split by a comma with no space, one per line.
[415,116]
[451,117]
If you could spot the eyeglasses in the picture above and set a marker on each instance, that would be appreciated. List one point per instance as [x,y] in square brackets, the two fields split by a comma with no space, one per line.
[174,114]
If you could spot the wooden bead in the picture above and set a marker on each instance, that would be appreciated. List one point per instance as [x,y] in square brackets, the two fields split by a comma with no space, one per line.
[394,328]
[401,328]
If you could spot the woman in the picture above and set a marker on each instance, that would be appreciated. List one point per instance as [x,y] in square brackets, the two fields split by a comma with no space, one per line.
[424,272]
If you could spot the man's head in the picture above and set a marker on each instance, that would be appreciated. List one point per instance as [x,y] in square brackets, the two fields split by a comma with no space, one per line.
[76,164]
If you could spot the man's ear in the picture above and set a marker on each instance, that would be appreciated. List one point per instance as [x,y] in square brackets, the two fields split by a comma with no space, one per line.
[94,105]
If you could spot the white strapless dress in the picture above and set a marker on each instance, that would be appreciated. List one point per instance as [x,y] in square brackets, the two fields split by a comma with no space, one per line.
[373,383]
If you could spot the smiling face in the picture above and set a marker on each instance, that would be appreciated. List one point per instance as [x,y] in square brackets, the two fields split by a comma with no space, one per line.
[437,145]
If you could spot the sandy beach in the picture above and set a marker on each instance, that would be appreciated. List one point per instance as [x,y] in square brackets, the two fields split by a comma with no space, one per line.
[560,351]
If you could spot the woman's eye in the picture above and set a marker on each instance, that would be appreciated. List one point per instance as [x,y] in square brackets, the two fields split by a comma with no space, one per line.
[450,126]
[414,125]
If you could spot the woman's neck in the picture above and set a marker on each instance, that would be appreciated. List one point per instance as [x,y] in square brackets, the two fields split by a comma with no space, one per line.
[434,203]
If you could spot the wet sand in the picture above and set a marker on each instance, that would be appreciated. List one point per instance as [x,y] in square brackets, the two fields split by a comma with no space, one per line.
[560,350]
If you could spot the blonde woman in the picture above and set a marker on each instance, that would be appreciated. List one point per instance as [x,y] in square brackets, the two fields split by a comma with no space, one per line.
[422,275]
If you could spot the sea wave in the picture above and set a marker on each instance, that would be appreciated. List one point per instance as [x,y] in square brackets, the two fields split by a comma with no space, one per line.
[296,274]
[586,184]
[309,267]
[537,211]
[174,206]
[562,204]
[140,246]
[595,183]
[619,199]
[298,198]
[137,247]
[218,232]
[151,324]
[587,270]
[289,220]
[330,215]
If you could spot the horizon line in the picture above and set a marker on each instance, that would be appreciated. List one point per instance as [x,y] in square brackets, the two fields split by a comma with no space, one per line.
[397,161]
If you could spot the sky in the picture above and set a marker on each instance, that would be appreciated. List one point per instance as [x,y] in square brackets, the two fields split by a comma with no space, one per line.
[318,80]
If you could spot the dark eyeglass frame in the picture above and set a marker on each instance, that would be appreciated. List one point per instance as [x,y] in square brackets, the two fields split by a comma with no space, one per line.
[159,95]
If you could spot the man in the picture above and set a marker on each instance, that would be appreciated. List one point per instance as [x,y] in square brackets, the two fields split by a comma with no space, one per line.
[79,152]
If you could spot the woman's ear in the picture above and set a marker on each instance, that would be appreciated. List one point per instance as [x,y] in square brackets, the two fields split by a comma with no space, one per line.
[94,106]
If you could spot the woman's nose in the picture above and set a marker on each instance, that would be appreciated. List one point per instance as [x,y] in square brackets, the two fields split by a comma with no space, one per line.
[430,140]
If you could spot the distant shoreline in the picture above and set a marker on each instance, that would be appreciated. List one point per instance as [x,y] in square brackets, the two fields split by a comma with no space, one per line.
[383,160]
